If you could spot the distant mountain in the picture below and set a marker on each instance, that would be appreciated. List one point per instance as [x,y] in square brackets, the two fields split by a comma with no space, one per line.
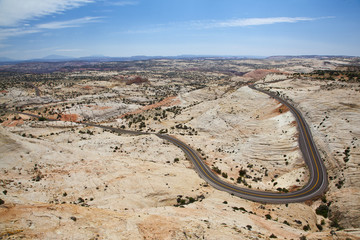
[284,57]
[102,58]
[95,58]
[56,57]
[5,59]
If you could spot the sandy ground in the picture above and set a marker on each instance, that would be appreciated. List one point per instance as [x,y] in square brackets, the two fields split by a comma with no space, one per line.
[66,181]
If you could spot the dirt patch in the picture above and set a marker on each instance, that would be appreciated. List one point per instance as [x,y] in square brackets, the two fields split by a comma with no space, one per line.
[137,80]
[66,221]
[281,109]
[294,188]
[69,117]
[158,227]
[87,88]
[260,73]
[13,123]
[309,202]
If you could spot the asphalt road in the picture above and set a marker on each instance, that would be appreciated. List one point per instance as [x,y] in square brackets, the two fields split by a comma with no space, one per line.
[318,176]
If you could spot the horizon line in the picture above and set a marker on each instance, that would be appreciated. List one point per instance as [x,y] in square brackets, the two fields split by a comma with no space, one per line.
[61,58]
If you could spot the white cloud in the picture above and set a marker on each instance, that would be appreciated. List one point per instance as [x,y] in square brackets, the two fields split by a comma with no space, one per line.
[67,24]
[13,32]
[6,33]
[209,24]
[245,22]
[14,12]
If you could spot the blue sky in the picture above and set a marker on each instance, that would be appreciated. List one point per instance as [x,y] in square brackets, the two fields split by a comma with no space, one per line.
[37,28]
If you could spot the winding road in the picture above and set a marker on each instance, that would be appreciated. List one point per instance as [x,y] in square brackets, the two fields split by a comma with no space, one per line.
[318,176]
[314,188]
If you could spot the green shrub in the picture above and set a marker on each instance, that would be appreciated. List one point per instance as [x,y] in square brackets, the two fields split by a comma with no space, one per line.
[322,210]
[319,227]
[216,169]
[335,224]
[242,172]
[306,227]
[287,223]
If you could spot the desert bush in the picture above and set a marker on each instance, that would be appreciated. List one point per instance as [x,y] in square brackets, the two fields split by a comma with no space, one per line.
[216,169]
[242,172]
[306,227]
[322,210]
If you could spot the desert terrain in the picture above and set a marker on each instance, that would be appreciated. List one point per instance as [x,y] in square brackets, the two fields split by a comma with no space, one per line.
[64,180]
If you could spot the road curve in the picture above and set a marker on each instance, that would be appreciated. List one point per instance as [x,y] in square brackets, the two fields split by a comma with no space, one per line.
[318,176]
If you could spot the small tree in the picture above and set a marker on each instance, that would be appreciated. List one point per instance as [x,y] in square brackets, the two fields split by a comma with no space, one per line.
[242,172]
[319,227]
[322,210]
[142,125]
[306,227]
[216,169]
[238,180]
